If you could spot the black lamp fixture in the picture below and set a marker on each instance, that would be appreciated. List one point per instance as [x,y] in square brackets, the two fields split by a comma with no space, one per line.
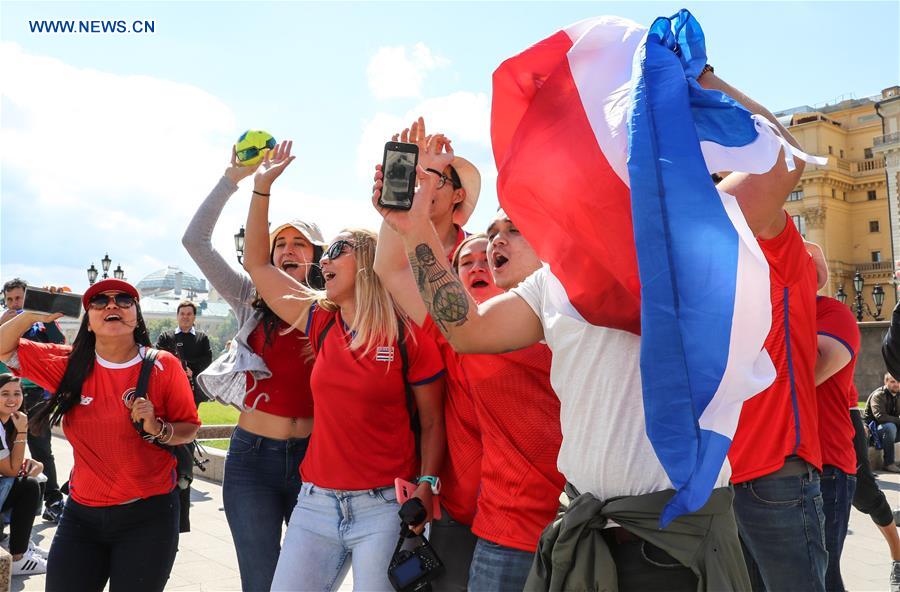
[239,245]
[863,307]
[105,263]
[841,296]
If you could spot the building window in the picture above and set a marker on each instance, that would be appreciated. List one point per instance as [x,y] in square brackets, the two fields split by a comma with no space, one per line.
[872,195]
[876,256]
[830,150]
[873,225]
[842,153]
[800,223]
[867,153]
[833,194]
[795,195]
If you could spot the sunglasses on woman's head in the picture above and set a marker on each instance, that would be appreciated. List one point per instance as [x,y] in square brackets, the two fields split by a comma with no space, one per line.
[253,151]
[337,249]
[122,300]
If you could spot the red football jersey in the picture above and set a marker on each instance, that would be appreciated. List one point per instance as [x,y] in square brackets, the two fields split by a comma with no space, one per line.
[362,438]
[518,413]
[113,464]
[288,387]
[461,473]
[782,420]
[836,432]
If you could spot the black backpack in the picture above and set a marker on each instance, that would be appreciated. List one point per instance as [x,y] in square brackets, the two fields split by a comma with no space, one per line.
[414,423]
[187,456]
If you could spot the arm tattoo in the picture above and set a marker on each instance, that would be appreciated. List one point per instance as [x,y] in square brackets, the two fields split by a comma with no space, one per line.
[444,295]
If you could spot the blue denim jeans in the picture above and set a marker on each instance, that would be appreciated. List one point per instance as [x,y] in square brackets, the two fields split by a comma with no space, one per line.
[782,529]
[498,568]
[331,528]
[837,493]
[260,488]
[888,433]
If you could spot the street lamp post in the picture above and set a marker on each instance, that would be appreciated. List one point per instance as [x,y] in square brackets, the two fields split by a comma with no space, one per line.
[105,263]
[239,245]
[862,306]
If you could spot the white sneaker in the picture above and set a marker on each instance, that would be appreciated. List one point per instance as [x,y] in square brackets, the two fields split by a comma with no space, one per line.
[29,565]
[32,548]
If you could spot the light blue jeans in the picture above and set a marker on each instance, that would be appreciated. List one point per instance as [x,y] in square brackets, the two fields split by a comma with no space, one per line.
[331,528]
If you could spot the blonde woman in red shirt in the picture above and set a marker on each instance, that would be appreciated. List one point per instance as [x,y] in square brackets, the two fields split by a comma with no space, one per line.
[362,441]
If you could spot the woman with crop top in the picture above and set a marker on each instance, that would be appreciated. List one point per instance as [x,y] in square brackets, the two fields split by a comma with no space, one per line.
[347,508]
[265,373]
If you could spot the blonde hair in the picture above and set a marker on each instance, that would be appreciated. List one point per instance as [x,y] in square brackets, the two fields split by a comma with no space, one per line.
[375,322]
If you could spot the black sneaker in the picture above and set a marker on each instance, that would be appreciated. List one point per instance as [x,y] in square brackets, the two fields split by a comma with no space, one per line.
[53,511]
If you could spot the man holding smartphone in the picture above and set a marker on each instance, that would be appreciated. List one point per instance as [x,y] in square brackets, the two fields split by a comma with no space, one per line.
[41,445]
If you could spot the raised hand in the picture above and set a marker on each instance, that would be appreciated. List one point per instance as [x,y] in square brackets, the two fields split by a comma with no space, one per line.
[272,166]
[435,151]
[237,172]
[419,216]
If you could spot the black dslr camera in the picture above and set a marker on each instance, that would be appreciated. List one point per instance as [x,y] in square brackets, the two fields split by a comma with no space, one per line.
[414,564]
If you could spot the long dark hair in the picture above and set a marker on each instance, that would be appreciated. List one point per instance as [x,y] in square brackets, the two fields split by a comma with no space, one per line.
[9,427]
[78,368]
[314,280]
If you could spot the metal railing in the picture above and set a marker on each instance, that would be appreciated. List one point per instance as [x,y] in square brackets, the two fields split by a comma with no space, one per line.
[893,138]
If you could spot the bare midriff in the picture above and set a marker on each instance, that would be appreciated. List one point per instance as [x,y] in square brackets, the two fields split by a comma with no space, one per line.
[274,426]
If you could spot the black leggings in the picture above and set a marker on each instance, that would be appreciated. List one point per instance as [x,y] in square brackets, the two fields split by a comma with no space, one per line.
[868,498]
[132,546]
[24,499]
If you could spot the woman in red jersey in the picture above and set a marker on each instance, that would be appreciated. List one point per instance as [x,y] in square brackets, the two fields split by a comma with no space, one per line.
[120,524]
[362,442]
[263,373]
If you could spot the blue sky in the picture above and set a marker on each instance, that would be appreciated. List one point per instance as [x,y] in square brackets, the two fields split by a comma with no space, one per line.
[108,142]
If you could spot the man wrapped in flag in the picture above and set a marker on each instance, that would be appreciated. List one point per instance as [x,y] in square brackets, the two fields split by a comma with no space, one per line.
[654,298]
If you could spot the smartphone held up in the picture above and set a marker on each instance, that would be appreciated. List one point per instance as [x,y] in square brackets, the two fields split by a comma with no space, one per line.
[45,301]
[399,170]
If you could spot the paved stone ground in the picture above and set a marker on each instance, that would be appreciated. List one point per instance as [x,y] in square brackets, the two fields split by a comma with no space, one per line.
[206,559]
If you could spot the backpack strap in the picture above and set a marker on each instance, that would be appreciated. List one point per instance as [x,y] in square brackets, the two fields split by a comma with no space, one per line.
[414,424]
[321,338]
[150,356]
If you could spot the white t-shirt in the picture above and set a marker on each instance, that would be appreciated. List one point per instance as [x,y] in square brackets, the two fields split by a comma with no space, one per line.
[596,375]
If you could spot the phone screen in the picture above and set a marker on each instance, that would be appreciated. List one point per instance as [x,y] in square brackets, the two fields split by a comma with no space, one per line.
[399,170]
[45,301]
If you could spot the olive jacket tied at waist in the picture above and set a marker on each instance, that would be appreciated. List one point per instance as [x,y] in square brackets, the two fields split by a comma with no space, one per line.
[572,554]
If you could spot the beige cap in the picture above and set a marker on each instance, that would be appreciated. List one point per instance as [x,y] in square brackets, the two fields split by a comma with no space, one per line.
[308,229]
[471,182]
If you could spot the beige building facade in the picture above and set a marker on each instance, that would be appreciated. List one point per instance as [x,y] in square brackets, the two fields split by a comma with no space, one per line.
[849,205]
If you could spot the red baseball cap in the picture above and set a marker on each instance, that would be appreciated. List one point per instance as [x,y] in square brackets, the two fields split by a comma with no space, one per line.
[110,285]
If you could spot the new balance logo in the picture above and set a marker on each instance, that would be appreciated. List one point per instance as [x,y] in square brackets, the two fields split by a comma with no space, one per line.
[86,400]
[384,354]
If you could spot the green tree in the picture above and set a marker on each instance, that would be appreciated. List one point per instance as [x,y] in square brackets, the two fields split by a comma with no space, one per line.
[157,326]
[222,333]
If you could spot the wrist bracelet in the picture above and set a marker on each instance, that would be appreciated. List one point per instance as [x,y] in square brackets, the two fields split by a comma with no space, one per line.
[255,192]
[17,433]
[20,441]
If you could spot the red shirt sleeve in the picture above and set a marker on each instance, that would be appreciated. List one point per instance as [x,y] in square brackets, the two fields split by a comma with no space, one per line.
[835,320]
[175,400]
[425,363]
[42,363]
[786,254]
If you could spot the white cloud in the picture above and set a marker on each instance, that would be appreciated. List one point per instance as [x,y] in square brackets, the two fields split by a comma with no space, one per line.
[463,116]
[396,72]
[102,162]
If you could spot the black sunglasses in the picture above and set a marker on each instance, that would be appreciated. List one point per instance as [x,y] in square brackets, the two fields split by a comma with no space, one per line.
[101,301]
[454,182]
[337,249]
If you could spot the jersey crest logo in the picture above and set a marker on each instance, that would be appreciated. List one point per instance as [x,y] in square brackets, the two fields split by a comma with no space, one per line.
[128,397]
[86,400]
[384,354]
